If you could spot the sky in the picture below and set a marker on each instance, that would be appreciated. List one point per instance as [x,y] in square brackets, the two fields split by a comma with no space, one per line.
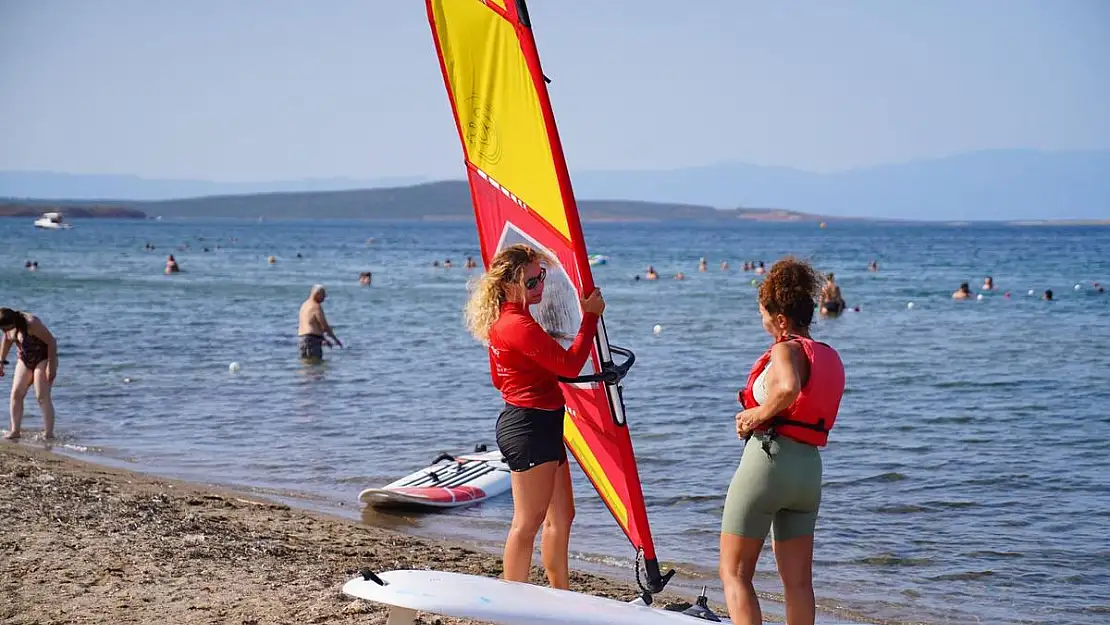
[258,90]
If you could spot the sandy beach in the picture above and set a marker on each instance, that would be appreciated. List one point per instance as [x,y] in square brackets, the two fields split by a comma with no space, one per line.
[82,543]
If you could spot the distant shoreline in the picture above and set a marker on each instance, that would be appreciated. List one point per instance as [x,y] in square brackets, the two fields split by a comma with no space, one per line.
[78,211]
[444,201]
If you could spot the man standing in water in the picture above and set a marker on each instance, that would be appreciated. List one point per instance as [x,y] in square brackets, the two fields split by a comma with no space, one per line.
[313,327]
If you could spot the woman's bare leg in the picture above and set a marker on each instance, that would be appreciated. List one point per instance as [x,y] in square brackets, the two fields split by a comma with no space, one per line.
[20,382]
[46,404]
[737,568]
[531,497]
[795,562]
[556,530]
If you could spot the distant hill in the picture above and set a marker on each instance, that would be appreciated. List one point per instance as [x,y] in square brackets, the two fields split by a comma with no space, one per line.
[71,210]
[993,185]
[46,184]
[445,200]
[989,185]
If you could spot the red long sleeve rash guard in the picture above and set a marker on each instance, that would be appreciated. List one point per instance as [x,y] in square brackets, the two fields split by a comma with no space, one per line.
[526,362]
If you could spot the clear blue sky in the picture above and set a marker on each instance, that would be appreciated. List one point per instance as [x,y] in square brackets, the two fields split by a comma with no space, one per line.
[273,89]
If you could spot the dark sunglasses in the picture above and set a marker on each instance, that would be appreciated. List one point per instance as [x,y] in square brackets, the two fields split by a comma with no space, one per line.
[533,282]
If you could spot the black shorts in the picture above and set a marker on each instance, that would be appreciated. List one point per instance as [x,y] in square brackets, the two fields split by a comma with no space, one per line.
[528,437]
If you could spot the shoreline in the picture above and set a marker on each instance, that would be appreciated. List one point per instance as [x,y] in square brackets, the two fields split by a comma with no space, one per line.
[93,543]
[132,546]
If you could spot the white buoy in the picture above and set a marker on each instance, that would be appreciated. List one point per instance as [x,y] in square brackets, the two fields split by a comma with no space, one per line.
[1030,292]
[1077,287]
[127,380]
[909,305]
[979,297]
[233,367]
[657,329]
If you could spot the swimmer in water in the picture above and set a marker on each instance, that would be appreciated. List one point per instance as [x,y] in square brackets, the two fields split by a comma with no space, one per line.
[313,328]
[964,292]
[680,276]
[874,266]
[832,302]
[364,278]
[171,265]
[760,269]
[724,265]
[651,275]
[702,265]
[447,263]
[1047,295]
[988,284]
[470,264]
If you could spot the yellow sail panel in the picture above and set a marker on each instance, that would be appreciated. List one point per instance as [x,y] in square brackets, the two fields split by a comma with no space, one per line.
[500,118]
[593,469]
[500,3]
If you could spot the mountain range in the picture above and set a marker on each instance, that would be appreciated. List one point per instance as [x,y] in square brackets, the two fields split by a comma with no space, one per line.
[985,185]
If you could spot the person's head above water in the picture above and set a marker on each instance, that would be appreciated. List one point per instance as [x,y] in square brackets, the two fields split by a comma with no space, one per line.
[515,274]
[318,292]
[964,288]
[786,297]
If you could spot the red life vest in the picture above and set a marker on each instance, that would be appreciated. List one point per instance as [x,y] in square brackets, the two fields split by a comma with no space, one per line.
[812,415]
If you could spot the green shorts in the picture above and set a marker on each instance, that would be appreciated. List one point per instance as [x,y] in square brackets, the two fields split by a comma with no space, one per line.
[783,490]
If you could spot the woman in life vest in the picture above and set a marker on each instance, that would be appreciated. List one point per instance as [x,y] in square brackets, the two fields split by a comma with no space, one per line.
[790,403]
[525,365]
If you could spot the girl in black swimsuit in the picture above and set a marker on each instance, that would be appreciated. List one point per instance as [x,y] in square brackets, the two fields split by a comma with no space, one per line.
[37,364]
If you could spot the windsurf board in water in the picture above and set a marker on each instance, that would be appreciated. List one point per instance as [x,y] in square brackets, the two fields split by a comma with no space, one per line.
[449,482]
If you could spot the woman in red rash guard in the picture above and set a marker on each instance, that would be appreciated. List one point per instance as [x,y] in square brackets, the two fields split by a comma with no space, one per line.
[525,365]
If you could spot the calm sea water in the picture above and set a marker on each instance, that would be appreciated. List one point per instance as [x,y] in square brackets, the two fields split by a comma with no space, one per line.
[967,480]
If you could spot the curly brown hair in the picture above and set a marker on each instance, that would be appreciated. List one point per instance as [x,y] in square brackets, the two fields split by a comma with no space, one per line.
[791,289]
[490,290]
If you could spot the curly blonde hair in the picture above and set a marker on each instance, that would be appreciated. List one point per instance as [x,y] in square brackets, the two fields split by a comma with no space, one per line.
[490,290]
[791,287]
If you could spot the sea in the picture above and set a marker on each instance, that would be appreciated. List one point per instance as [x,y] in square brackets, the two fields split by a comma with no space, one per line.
[967,480]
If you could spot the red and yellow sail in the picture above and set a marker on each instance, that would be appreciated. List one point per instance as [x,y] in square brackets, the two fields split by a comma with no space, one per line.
[521,193]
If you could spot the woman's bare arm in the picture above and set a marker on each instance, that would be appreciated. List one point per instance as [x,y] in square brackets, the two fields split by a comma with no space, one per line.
[784,382]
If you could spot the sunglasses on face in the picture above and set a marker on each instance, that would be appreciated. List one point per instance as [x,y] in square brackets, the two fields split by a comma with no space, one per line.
[535,281]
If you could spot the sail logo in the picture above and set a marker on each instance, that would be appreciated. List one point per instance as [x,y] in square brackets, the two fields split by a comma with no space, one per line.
[482,135]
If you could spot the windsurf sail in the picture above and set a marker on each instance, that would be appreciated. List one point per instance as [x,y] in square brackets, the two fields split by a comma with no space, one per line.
[521,192]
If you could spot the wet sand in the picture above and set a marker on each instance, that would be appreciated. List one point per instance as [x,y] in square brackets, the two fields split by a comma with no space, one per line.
[83,543]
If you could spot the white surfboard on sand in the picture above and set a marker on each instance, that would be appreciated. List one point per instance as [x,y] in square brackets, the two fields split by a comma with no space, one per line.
[498,601]
[449,482]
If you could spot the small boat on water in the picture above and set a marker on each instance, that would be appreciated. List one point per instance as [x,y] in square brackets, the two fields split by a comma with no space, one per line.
[52,221]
